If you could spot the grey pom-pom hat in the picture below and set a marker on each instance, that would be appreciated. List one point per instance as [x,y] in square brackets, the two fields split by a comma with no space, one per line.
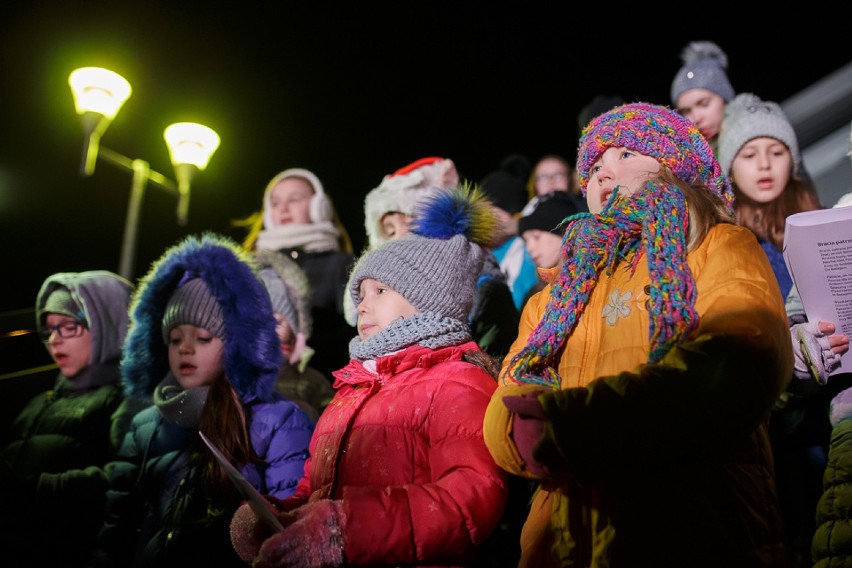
[705,66]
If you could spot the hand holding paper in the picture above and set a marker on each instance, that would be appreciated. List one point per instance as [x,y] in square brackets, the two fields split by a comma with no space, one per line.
[818,252]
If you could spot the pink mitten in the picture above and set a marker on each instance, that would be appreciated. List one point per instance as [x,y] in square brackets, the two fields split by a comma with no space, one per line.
[287,504]
[247,532]
[528,428]
[313,540]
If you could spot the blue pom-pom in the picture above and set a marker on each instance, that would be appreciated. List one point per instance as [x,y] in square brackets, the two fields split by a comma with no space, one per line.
[461,211]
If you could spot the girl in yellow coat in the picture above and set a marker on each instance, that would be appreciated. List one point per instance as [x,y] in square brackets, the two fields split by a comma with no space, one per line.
[643,374]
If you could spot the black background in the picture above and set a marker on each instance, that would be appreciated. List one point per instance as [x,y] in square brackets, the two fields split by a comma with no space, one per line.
[350,91]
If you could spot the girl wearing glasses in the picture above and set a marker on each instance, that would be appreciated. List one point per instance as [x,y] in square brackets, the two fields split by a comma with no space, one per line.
[57,445]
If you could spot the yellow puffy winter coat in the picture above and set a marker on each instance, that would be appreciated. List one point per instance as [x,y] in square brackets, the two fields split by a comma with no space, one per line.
[659,464]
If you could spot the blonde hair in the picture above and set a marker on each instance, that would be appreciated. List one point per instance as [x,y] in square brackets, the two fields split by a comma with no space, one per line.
[704,207]
[254,225]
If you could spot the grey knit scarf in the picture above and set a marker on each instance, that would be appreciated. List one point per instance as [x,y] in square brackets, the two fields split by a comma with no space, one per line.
[427,329]
[178,405]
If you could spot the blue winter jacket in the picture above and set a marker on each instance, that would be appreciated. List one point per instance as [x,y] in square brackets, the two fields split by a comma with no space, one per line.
[155,505]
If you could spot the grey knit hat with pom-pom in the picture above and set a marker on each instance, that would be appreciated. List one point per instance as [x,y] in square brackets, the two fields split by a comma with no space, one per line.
[748,117]
[437,265]
[705,66]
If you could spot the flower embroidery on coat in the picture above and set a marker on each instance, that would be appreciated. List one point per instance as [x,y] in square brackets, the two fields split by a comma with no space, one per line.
[616,307]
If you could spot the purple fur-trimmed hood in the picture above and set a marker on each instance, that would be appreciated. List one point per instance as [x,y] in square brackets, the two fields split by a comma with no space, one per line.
[252,356]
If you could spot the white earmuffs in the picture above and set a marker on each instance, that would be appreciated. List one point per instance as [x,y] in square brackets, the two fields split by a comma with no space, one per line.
[320,209]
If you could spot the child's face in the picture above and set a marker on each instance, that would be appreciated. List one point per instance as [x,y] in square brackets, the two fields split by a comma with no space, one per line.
[551,175]
[379,307]
[285,335]
[290,201]
[703,108]
[396,225]
[195,356]
[544,247]
[72,352]
[620,167]
[761,169]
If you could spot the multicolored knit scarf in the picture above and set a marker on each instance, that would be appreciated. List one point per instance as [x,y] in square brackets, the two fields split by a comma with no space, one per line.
[653,222]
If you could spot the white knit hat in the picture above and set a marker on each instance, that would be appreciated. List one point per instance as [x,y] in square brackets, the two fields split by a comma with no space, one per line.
[748,117]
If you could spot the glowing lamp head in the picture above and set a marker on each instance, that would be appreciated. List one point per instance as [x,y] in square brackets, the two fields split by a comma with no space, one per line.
[191,143]
[98,90]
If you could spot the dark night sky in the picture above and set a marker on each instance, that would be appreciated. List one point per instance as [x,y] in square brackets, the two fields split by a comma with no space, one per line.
[351,93]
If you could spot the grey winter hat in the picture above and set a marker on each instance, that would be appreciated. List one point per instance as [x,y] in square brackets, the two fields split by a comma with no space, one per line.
[283,299]
[288,287]
[436,267]
[435,275]
[61,302]
[748,117]
[704,67]
[192,303]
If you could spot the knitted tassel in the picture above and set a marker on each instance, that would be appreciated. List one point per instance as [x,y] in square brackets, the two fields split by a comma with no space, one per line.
[651,223]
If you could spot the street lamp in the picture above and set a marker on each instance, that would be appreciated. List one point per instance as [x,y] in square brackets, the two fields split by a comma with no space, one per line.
[98,96]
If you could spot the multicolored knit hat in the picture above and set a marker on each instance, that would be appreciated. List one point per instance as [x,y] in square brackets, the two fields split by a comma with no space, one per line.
[660,133]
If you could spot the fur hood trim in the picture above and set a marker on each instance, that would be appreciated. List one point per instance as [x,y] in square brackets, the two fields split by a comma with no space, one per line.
[252,355]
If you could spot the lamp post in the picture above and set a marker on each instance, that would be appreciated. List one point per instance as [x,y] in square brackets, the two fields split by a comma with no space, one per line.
[98,96]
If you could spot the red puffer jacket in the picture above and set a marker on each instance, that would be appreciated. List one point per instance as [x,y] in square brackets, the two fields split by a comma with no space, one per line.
[403,448]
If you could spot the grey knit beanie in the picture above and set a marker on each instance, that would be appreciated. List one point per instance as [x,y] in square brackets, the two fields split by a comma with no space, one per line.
[283,298]
[435,275]
[192,303]
[436,267]
[748,117]
[61,302]
[704,67]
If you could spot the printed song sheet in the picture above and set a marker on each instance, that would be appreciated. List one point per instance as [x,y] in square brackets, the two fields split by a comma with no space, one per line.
[818,253]
[261,507]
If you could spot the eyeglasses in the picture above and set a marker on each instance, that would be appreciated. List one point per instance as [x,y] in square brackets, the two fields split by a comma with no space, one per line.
[558,176]
[65,330]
